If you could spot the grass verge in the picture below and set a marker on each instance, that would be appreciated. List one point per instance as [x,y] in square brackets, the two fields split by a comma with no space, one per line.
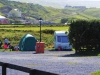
[96,73]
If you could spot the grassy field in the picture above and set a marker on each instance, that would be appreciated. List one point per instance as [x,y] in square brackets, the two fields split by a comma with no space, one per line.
[15,32]
[36,28]
[96,73]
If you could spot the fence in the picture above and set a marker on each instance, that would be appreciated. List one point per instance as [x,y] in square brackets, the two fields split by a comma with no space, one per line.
[24,69]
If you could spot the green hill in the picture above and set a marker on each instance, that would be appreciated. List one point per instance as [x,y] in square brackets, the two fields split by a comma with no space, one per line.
[95,12]
[35,11]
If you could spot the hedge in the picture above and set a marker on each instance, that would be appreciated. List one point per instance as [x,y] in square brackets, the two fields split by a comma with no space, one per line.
[84,35]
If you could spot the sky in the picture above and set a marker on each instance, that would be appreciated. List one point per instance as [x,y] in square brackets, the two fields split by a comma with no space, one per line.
[62,3]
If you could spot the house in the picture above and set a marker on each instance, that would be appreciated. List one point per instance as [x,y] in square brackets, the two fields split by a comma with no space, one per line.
[3,20]
[67,7]
[14,13]
[81,7]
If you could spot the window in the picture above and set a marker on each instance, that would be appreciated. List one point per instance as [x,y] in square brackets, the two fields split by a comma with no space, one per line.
[63,39]
[54,38]
[59,38]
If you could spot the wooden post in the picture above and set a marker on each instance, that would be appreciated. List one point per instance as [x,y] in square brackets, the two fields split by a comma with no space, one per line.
[32,72]
[4,65]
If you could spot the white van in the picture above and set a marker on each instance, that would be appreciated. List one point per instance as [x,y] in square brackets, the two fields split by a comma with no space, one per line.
[61,40]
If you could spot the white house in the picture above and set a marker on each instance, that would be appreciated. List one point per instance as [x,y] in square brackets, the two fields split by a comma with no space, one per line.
[14,13]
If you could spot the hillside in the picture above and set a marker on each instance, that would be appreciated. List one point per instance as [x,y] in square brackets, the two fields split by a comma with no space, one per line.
[31,10]
[95,12]
[35,11]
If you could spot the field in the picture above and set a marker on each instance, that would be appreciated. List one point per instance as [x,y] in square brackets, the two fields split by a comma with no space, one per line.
[34,28]
[15,32]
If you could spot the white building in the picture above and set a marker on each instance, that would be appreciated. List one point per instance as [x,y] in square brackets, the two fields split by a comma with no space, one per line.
[81,7]
[14,13]
[3,20]
[67,7]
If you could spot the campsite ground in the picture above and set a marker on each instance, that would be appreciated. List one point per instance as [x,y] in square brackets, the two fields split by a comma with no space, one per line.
[60,62]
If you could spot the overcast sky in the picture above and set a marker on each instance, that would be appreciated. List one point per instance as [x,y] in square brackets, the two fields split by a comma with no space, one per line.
[62,3]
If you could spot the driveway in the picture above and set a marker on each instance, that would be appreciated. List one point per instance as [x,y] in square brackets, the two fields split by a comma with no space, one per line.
[59,62]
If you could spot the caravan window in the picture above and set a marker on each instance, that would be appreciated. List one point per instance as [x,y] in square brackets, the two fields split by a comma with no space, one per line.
[63,39]
[54,38]
[59,38]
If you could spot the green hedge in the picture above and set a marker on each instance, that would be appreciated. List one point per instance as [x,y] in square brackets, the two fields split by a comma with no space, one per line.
[84,35]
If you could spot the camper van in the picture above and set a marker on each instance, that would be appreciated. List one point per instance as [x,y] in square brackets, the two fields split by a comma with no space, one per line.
[61,41]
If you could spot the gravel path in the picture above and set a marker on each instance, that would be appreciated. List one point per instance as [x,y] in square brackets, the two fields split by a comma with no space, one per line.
[59,62]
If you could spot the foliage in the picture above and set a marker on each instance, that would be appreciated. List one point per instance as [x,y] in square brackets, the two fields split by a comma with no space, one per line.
[96,73]
[48,31]
[64,20]
[1,5]
[92,11]
[84,35]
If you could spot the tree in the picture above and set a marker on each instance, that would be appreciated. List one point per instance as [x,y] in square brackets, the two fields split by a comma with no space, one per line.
[64,20]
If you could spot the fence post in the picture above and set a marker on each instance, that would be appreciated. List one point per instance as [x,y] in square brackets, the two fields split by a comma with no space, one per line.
[32,72]
[4,65]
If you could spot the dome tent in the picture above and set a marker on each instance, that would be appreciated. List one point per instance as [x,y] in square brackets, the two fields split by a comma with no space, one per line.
[3,20]
[27,43]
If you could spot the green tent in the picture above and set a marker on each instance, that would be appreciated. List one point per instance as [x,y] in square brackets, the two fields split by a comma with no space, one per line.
[27,43]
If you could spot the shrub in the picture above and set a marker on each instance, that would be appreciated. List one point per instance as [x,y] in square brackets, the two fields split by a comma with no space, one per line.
[84,35]
[48,31]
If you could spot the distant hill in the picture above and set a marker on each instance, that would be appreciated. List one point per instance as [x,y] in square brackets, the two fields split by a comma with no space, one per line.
[35,11]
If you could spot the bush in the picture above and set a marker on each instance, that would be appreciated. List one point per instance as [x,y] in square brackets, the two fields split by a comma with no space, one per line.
[84,35]
[48,31]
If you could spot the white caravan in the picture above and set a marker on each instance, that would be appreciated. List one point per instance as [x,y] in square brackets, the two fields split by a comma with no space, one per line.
[61,40]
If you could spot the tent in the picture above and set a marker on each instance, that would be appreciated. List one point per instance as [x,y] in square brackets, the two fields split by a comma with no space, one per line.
[27,43]
[3,20]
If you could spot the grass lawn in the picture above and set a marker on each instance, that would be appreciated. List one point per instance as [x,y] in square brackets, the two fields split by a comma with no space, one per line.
[36,28]
[96,73]
[7,50]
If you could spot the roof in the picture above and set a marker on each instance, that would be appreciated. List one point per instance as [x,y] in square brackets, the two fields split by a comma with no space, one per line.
[60,33]
[2,16]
